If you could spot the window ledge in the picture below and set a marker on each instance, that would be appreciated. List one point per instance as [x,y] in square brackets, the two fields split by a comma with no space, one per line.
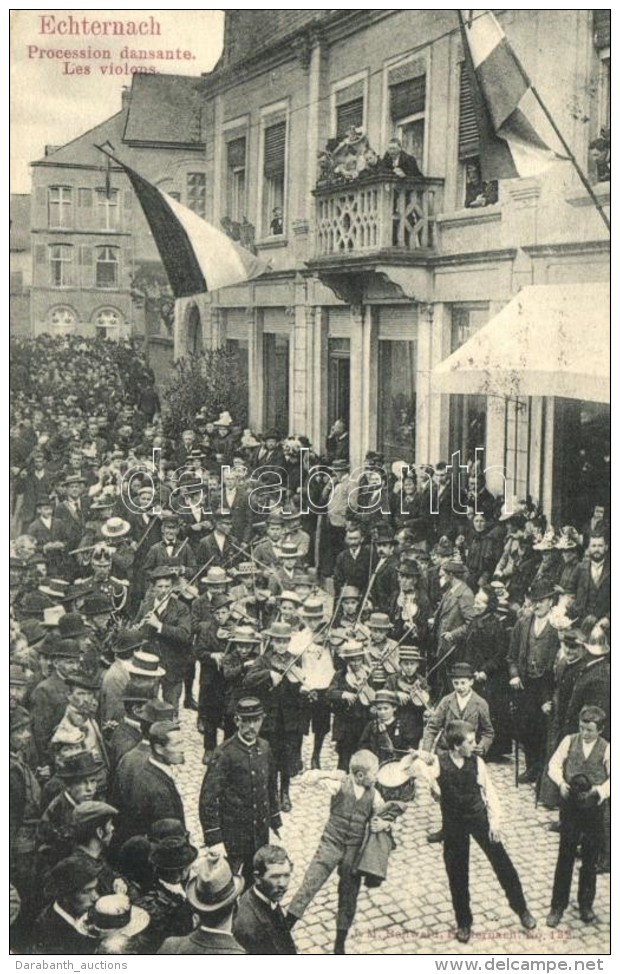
[474,216]
[579,197]
[269,243]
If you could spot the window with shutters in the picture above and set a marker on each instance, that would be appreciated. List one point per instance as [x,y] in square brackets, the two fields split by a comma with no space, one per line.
[407,106]
[60,207]
[197,193]
[108,209]
[474,192]
[61,265]
[274,162]
[106,267]
[348,98]
[236,178]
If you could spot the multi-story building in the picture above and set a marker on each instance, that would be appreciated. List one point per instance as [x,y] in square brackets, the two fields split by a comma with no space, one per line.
[96,268]
[20,264]
[373,283]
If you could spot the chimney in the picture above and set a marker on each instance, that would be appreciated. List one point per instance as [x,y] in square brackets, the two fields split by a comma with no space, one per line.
[125,97]
[49,149]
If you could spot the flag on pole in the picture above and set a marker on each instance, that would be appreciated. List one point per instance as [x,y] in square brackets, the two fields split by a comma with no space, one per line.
[506,107]
[196,255]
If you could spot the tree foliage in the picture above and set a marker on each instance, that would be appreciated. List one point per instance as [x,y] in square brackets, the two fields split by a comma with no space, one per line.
[212,381]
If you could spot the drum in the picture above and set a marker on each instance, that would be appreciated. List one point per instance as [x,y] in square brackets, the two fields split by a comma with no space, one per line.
[394,782]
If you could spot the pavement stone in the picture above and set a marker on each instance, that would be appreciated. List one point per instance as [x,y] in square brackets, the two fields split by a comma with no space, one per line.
[411,912]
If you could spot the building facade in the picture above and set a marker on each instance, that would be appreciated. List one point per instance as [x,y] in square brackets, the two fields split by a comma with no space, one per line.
[374,284]
[95,266]
[20,264]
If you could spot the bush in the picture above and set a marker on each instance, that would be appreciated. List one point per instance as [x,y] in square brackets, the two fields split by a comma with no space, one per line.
[214,381]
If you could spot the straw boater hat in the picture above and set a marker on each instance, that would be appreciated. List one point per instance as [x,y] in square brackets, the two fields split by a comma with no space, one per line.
[215,577]
[145,664]
[115,914]
[379,620]
[288,596]
[351,649]
[312,609]
[279,630]
[597,644]
[115,527]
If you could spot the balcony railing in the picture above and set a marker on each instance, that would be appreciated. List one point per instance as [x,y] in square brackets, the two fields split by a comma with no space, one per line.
[378,213]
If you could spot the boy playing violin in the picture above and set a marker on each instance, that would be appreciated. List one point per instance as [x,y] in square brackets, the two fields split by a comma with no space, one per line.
[412,694]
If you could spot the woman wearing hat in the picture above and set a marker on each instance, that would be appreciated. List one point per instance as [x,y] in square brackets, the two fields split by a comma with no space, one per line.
[485,649]
[276,679]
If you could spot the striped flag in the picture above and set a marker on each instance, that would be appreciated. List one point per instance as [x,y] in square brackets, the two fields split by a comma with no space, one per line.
[507,111]
[197,256]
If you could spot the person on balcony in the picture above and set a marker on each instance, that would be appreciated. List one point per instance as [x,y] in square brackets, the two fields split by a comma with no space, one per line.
[399,162]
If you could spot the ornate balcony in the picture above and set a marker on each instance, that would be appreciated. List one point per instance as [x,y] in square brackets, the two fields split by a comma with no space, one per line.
[375,214]
[376,224]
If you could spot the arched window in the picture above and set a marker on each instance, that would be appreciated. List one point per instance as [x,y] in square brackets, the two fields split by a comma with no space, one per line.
[106,267]
[108,323]
[61,320]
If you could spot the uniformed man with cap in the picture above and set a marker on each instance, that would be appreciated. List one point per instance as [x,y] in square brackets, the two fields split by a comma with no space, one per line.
[238,801]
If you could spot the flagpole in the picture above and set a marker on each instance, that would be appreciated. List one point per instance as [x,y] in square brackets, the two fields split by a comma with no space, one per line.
[584,179]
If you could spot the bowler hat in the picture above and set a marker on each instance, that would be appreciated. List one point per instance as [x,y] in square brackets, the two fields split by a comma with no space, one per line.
[34,631]
[126,640]
[214,886]
[220,601]
[65,649]
[379,620]
[273,434]
[163,828]
[461,670]
[96,605]
[541,589]
[279,630]
[349,592]
[44,501]
[84,680]
[173,852]
[155,711]
[454,567]
[249,707]
[71,626]
[84,764]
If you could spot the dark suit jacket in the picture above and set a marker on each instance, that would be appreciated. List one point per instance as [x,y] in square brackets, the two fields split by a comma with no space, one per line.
[145,798]
[40,532]
[48,704]
[259,929]
[591,599]
[352,571]
[173,643]
[592,688]
[202,942]
[238,801]
[407,163]
[519,643]
[208,551]
[124,738]
[476,713]
[241,515]
[53,935]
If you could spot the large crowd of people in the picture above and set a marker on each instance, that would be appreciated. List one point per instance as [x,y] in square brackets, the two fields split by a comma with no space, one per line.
[425,627]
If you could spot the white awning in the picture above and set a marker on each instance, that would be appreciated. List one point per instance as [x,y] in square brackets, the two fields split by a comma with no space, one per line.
[550,340]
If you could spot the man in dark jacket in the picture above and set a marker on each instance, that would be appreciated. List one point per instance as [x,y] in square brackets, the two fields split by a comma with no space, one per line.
[166,623]
[60,929]
[238,802]
[260,925]
[534,645]
[400,162]
[594,580]
[353,564]
[152,794]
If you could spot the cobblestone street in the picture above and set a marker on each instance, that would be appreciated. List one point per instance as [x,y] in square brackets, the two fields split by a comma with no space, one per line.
[411,912]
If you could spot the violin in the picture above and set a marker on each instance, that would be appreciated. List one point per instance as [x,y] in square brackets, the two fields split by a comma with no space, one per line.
[418,695]
[288,667]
